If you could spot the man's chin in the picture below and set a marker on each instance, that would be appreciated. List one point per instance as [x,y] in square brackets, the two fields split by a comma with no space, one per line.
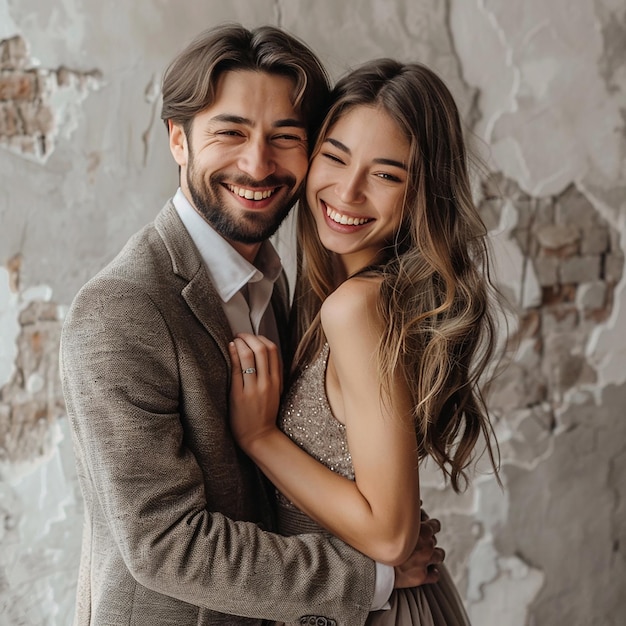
[248,233]
[245,227]
[256,231]
[250,237]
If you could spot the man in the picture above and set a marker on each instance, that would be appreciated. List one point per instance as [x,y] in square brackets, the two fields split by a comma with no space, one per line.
[175,513]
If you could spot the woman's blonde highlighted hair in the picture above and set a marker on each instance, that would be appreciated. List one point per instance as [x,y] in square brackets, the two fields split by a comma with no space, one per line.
[436,298]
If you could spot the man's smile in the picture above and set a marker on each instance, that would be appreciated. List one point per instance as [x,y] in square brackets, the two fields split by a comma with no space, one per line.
[251,194]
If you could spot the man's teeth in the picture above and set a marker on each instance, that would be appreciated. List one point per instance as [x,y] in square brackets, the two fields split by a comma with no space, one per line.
[345,219]
[251,194]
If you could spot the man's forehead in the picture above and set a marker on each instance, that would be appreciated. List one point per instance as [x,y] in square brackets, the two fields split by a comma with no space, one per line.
[236,82]
[254,97]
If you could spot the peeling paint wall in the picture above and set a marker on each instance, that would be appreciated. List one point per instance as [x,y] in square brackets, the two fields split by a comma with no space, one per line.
[84,163]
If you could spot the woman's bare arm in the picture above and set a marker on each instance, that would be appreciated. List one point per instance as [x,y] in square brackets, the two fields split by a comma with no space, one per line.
[379,512]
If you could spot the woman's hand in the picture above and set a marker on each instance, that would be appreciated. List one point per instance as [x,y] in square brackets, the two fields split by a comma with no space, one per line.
[255,387]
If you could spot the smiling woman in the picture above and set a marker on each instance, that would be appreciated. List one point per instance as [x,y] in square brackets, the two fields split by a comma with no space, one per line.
[395,329]
[357,185]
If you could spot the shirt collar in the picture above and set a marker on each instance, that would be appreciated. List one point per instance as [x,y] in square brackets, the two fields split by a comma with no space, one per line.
[228,270]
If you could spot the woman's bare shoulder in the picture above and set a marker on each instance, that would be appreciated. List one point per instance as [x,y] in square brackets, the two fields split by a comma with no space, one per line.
[352,305]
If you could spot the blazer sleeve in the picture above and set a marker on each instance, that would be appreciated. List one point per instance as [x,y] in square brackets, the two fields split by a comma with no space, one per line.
[120,379]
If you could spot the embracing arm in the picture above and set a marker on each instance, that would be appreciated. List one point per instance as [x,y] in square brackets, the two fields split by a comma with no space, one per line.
[379,512]
[145,489]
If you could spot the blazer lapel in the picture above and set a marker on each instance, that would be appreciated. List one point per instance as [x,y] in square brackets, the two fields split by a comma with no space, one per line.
[280,306]
[199,293]
[206,305]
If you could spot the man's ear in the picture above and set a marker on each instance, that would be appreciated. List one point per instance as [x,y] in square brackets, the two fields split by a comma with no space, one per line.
[178,143]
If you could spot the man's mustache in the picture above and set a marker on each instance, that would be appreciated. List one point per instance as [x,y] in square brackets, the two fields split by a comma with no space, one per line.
[251,183]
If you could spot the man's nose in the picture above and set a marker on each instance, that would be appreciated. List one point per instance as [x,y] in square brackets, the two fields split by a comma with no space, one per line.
[257,159]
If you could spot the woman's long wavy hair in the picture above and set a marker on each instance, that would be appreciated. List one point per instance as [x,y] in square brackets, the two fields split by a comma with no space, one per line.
[436,295]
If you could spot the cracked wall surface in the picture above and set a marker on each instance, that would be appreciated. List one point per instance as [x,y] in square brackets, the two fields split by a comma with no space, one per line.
[84,163]
[33,100]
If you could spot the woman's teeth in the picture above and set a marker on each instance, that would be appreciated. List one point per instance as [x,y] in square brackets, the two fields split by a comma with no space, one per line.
[345,219]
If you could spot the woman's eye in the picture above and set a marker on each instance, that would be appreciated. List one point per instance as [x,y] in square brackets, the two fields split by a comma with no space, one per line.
[332,157]
[389,177]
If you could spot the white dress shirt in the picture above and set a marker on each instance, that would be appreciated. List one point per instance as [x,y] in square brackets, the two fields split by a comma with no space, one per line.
[232,276]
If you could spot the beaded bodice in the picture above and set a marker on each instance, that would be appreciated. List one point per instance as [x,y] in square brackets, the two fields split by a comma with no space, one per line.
[307,419]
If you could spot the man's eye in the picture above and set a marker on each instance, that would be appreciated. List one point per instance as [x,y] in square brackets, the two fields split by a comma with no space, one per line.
[287,140]
[229,133]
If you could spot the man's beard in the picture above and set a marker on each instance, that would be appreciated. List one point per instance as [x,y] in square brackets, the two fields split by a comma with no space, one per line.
[249,227]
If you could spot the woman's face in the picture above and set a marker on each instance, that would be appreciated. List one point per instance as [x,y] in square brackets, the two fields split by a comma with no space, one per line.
[356,185]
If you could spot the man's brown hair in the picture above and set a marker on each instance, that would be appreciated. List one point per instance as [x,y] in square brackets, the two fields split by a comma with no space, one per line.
[190,80]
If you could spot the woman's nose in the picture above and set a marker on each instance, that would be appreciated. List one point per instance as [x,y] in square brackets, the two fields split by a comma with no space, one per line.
[350,187]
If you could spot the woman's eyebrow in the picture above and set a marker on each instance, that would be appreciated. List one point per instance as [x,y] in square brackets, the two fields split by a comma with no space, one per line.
[338,145]
[381,160]
[289,123]
[391,162]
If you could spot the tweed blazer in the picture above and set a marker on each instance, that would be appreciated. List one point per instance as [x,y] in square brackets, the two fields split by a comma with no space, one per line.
[177,518]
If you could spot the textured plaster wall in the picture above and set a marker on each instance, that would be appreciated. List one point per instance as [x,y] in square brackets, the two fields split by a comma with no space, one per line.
[84,163]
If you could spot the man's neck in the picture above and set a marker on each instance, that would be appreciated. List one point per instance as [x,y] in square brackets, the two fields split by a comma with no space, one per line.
[247,250]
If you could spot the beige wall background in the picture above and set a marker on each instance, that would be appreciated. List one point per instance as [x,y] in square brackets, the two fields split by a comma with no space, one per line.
[84,163]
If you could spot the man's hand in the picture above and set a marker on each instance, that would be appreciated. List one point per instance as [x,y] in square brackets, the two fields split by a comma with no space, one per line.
[421,567]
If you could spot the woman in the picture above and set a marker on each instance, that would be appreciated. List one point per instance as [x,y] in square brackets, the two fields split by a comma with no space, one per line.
[395,328]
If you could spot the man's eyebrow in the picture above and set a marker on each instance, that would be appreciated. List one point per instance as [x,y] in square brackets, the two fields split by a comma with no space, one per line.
[289,123]
[238,119]
[232,119]
[381,161]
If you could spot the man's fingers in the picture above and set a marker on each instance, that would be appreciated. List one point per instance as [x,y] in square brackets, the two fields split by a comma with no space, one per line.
[422,567]
[428,534]
[432,575]
[433,523]
[439,554]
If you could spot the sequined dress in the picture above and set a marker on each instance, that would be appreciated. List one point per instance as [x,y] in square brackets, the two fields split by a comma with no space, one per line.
[307,419]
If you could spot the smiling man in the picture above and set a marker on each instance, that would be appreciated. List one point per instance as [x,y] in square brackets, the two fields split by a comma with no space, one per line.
[244,158]
[177,518]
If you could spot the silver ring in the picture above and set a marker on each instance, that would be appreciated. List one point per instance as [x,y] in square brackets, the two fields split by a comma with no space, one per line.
[249,370]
